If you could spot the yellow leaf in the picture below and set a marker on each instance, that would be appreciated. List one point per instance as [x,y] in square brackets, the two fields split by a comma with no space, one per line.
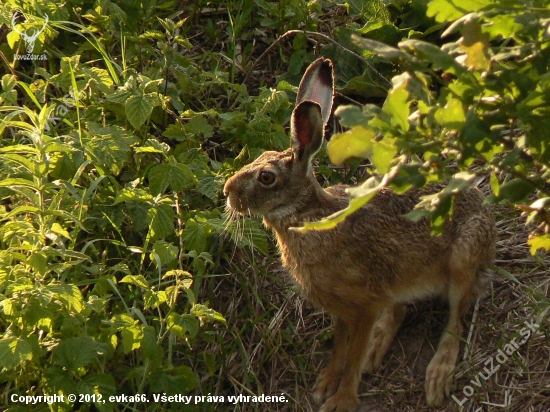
[476,46]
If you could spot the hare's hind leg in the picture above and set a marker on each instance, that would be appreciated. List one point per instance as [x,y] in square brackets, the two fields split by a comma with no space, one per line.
[382,335]
[329,379]
[440,372]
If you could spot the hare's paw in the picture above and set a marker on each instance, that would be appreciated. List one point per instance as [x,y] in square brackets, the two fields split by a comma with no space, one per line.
[379,344]
[439,378]
[341,402]
[326,385]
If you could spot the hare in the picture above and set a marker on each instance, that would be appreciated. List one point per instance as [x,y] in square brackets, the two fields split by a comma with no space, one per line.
[367,268]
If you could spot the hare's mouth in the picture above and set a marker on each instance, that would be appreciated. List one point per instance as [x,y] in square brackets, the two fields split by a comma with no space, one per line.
[235,204]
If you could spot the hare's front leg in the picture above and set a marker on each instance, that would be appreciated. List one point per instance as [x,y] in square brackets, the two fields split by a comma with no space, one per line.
[382,335]
[440,372]
[329,378]
[345,398]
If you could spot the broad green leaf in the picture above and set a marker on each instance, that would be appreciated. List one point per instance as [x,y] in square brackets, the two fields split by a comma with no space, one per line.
[440,59]
[449,10]
[129,194]
[161,219]
[70,295]
[110,147]
[194,236]
[150,348]
[356,142]
[174,176]
[131,338]
[397,103]
[185,279]
[137,280]
[199,126]
[139,108]
[182,325]
[210,186]
[167,252]
[539,242]
[38,262]
[452,115]
[14,351]
[206,313]
[383,153]
[74,353]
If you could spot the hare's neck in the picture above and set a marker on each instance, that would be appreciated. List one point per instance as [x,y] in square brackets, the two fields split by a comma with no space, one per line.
[311,204]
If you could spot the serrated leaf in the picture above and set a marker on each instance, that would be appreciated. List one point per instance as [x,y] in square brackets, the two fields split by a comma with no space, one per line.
[137,280]
[139,107]
[194,236]
[174,176]
[70,295]
[134,195]
[356,142]
[74,353]
[161,220]
[166,252]
[14,351]
[182,325]
[199,126]
[210,186]
[206,313]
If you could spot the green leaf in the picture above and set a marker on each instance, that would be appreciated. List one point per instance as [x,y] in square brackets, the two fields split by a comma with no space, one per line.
[357,142]
[129,194]
[183,326]
[199,126]
[210,186]
[452,115]
[14,351]
[70,295]
[131,338]
[449,10]
[174,176]
[161,219]
[139,108]
[137,280]
[194,236]
[383,153]
[166,252]
[397,103]
[206,313]
[74,353]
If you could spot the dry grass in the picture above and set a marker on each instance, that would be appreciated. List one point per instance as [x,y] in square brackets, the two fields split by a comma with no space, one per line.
[276,343]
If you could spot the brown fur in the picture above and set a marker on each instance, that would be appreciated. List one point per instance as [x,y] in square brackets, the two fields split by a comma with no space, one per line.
[369,266]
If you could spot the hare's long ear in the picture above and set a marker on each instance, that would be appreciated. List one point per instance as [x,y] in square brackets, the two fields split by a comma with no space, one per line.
[317,86]
[306,131]
[313,108]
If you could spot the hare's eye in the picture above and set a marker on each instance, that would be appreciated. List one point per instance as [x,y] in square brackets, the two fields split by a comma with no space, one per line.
[266,178]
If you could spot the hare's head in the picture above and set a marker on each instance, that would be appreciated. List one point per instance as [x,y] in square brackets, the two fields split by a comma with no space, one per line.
[279,184]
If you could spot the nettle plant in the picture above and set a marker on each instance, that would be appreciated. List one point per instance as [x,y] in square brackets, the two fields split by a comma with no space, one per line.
[476,106]
[110,211]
